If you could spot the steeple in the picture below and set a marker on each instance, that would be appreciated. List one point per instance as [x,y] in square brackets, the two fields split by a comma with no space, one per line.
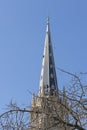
[43,114]
[48,79]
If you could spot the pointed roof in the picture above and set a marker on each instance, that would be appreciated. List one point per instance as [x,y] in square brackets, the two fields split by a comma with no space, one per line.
[48,79]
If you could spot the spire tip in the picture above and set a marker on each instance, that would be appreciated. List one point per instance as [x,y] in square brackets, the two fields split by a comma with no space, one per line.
[48,20]
[47,30]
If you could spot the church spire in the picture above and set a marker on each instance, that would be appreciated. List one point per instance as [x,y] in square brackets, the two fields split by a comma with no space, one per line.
[48,79]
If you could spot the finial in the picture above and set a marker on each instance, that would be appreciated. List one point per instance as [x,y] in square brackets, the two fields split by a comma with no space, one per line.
[33,99]
[64,94]
[47,30]
[48,20]
[64,91]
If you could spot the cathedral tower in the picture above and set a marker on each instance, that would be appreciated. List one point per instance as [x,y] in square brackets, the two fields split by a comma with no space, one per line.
[46,108]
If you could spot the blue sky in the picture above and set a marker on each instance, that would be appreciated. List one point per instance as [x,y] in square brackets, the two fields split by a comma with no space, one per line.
[22,34]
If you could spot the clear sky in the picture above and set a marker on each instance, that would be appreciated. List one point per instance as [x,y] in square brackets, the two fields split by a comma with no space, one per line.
[22,34]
